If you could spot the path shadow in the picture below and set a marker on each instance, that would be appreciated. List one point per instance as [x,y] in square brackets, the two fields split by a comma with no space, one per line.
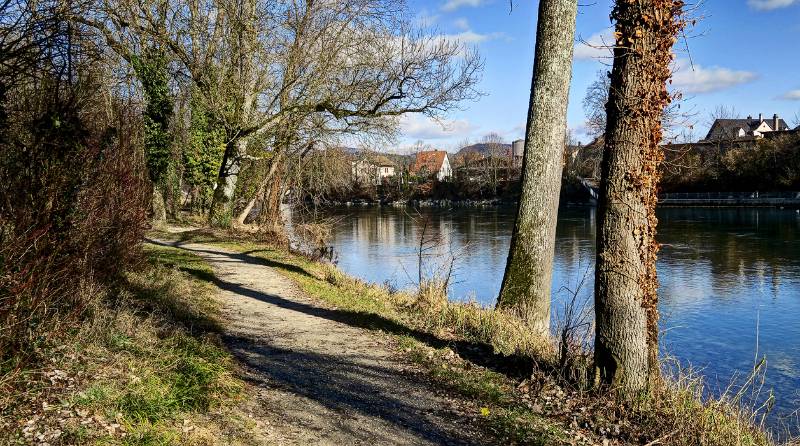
[348,388]
[514,366]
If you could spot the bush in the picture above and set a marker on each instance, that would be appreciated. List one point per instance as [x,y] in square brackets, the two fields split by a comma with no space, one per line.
[770,164]
[74,207]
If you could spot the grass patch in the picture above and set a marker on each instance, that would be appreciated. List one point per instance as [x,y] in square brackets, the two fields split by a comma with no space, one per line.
[145,368]
[496,402]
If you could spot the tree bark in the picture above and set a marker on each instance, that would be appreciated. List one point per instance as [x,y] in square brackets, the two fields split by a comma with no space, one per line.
[221,212]
[159,207]
[626,299]
[270,219]
[273,166]
[527,280]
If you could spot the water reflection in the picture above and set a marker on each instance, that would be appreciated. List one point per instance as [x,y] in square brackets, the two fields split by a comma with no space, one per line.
[729,278]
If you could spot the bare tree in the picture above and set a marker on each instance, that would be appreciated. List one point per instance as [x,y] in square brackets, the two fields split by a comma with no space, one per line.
[355,79]
[594,104]
[35,38]
[495,161]
[526,284]
[268,67]
[626,333]
[594,107]
[722,112]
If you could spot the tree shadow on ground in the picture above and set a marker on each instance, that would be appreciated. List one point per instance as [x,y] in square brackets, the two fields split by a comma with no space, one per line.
[482,354]
[350,388]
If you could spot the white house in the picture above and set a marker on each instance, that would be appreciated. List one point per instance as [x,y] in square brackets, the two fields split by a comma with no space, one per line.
[373,171]
[432,162]
[728,129]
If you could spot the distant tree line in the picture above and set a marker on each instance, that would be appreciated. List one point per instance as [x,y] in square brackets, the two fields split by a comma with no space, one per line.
[770,164]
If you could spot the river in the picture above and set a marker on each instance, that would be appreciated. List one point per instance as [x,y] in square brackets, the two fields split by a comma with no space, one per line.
[729,277]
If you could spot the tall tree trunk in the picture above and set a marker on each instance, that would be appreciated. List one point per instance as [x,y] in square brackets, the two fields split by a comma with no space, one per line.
[221,212]
[159,207]
[270,219]
[273,166]
[626,299]
[527,281]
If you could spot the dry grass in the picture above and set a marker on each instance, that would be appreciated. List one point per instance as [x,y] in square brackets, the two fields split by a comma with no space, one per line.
[682,414]
[145,368]
[428,309]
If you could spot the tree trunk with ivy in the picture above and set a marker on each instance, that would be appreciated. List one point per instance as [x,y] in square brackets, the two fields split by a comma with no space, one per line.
[270,219]
[221,213]
[527,281]
[626,299]
[151,67]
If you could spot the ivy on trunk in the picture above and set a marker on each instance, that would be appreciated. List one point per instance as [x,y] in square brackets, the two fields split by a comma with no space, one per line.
[626,299]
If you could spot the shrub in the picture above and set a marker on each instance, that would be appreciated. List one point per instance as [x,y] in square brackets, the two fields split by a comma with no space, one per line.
[73,210]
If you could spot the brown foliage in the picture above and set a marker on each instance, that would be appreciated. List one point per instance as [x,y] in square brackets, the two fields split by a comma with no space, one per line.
[73,209]
[627,248]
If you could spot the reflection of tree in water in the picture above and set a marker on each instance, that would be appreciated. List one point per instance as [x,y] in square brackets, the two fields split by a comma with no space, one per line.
[739,246]
[721,251]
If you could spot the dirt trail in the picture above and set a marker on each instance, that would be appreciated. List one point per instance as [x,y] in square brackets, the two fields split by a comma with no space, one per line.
[322,382]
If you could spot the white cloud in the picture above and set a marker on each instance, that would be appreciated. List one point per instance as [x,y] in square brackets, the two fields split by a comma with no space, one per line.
[768,5]
[699,79]
[471,37]
[425,19]
[598,46]
[416,126]
[461,23]
[793,95]
[464,40]
[452,5]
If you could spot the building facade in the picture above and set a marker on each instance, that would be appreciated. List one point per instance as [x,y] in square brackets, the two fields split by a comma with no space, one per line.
[732,129]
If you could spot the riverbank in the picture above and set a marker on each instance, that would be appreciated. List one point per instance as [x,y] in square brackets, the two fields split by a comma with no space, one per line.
[444,203]
[486,356]
[781,200]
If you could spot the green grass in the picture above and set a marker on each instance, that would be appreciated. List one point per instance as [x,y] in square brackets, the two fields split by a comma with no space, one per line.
[145,364]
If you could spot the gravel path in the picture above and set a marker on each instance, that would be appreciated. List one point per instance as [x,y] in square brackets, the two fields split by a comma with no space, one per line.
[319,381]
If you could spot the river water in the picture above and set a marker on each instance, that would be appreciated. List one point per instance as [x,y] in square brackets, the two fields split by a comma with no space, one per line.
[729,278]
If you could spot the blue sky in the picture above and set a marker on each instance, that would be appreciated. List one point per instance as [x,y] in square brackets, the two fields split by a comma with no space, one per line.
[744,55]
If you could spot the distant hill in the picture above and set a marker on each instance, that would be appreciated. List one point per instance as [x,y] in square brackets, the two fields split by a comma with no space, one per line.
[351,150]
[484,149]
[372,155]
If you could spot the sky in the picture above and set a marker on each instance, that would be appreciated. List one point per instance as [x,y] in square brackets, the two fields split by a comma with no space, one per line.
[742,54]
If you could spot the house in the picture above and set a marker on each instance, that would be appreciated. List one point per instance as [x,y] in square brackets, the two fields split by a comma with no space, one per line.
[731,129]
[385,168]
[433,163]
[373,170]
